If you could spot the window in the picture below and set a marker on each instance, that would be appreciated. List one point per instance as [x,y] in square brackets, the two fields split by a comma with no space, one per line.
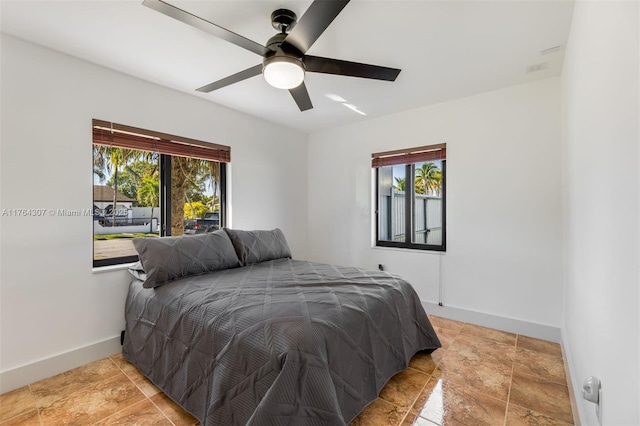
[148,184]
[411,198]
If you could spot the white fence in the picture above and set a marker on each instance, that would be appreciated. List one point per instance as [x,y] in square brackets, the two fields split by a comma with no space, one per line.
[129,221]
[129,227]
[427,218]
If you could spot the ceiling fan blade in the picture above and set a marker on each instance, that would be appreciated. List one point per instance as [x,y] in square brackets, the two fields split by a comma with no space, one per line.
[352,69]
[301,96]
[242,75]
[313,23]
[204,25]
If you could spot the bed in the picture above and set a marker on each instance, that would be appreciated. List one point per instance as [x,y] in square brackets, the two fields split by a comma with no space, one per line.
[261,339]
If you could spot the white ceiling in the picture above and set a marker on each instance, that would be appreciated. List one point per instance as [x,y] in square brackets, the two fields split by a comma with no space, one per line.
[446,49]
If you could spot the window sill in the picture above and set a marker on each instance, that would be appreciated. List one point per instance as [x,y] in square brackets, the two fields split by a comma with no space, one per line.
[408,250]
[111,268]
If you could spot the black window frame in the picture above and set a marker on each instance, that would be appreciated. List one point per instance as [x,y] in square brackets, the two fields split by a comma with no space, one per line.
[165,190]
[409,208]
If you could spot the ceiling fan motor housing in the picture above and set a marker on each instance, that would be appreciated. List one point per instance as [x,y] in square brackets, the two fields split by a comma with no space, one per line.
[283,20]
[277,53]
[283,70]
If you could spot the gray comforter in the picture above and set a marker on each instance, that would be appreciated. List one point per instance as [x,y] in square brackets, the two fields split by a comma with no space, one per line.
[281,342]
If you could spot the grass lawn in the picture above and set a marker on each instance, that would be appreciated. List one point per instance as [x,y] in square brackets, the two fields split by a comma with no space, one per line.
[118,236]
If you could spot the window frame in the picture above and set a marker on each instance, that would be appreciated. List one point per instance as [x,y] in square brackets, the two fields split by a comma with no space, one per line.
[408,158]
[220,153]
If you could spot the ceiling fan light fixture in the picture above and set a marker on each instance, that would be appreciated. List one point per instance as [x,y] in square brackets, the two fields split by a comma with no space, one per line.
[283,72]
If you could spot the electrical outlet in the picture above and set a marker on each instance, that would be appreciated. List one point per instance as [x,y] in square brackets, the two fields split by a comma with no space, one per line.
[592,392]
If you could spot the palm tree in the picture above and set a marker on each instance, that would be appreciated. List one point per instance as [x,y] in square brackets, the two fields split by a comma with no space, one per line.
[214,179]
[99,162]
[428,179]
[132,174]
[111,159]
[187,173]
[400,184]
[149,194]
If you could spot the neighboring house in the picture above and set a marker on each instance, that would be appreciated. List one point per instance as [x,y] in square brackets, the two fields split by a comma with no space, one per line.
[103,200]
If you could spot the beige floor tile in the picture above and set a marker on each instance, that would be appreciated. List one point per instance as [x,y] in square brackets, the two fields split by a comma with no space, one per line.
[141,381]
[139,414]
[518,416]
[538,345]
[173,411]
[445,336]
[144,384]
[403,388]
[414,419]
[544,397]
[473,377]
[92,403]
[478,349]
[49,390]
[122,363]
[447,323]
[423,362]
[30,418]
[379,413]
[489,333]
[547,367]
[437,356]
[15,403]
[443,403]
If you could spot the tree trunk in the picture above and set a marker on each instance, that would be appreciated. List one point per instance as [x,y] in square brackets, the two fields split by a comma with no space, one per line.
[115,196]
[179,185]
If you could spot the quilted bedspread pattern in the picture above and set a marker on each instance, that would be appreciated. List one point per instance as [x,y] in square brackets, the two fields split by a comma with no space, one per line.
[281,342]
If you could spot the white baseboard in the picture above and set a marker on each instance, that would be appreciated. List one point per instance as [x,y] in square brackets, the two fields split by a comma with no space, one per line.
[511,325]
[573,395]
[30,373]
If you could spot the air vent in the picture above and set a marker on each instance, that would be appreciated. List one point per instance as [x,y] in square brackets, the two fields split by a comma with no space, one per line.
[536,67]
[553,49]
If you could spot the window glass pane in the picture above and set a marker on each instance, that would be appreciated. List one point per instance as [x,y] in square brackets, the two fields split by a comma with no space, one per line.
[126,200]
[391,204]
[195,196]
[427,203]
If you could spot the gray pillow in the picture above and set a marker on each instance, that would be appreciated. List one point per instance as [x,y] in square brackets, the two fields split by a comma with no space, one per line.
[138,271]
[169,258]
[259,246]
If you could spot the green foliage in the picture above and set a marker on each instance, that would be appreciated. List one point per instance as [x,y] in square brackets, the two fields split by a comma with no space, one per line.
[199,209]
[148,194]
[428,179]
[132,176]
[400,184]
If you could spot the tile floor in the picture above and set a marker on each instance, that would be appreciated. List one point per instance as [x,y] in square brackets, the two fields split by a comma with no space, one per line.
[480,376]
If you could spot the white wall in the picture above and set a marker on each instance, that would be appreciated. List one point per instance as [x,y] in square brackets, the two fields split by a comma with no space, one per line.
[601,325]
[503,208]
[51,302]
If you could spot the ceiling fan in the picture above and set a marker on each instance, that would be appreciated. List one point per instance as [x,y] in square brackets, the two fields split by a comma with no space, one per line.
[284,58]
